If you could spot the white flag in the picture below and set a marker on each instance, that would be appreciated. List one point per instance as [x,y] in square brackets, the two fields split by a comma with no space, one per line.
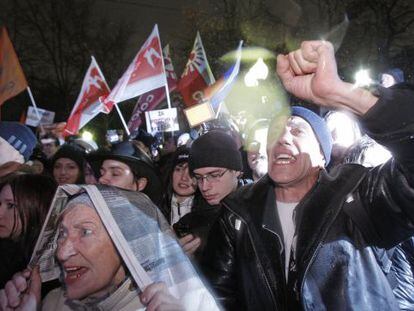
[87,105]
[145,73]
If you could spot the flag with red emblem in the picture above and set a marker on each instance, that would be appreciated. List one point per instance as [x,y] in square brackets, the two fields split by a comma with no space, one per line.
[197,75]
[152,99]
[87,105]
[145,73]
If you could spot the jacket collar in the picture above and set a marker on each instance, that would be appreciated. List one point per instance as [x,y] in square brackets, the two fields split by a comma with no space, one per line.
[270,219]
[125,294]
[317,209]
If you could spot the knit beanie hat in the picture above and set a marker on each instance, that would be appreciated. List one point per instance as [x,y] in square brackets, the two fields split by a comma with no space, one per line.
[319,128]
[19,136]
[397,74]
[215,149]
[74,153]
[181,155]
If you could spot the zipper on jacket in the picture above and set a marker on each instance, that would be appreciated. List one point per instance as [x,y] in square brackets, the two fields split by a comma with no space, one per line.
[315,252]
[281,249]
[257,255]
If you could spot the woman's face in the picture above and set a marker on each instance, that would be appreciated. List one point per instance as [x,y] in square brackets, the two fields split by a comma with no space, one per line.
[91,266]
[183,184]
[10,223]
[66,171]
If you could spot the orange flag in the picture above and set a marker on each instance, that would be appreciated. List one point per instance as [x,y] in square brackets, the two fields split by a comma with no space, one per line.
[12,79]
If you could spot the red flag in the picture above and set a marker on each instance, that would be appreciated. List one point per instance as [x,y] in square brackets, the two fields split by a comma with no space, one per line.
[197,75]
[145,73]
[12,79]
[151,100]
[87,105]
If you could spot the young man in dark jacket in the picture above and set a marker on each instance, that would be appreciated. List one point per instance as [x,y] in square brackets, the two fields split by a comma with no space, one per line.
[301,238]
[215,162]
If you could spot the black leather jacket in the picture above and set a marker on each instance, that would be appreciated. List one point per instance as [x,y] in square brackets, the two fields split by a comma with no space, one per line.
[345,215]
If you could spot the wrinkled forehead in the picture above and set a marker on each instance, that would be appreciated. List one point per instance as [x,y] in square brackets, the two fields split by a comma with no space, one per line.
[78,214]
[298,123]
[277,127]
[80,202]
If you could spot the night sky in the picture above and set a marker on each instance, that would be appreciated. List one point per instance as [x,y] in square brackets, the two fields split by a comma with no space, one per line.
[361,35]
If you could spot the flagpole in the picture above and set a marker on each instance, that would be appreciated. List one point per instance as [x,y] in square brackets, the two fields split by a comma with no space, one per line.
[167,91]
[122,120]
[116,105]
[42,130]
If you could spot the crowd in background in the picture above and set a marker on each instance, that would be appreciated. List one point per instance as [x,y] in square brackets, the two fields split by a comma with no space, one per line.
[188,182]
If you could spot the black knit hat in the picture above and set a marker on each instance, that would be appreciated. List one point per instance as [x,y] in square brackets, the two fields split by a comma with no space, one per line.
[181,155]
[74,153]
[215,149]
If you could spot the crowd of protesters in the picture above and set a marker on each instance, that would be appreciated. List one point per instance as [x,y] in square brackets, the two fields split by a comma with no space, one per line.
[288,219]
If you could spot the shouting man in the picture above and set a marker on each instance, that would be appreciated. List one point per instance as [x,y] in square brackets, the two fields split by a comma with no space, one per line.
[301,238]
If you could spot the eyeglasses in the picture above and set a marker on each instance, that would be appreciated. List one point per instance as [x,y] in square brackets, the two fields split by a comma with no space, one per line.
[210,177]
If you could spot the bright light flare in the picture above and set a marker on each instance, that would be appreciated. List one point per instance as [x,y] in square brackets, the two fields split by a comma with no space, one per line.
[362,78]
[344,129]
[259,71]
[376,155]
[86,135]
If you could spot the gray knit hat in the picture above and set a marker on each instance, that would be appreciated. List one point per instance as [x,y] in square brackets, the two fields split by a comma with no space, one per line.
[19,136]
[215,149]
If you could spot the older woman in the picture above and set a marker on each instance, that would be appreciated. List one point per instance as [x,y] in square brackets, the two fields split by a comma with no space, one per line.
[93,273]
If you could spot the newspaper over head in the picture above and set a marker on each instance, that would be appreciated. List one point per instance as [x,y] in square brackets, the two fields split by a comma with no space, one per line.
[141,235]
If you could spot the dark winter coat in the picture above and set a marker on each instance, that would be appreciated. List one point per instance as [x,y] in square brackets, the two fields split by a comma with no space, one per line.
[340,220]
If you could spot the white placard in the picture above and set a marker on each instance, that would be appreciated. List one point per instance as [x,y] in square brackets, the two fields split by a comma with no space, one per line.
[163,120]
[47,117]
[200,113]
